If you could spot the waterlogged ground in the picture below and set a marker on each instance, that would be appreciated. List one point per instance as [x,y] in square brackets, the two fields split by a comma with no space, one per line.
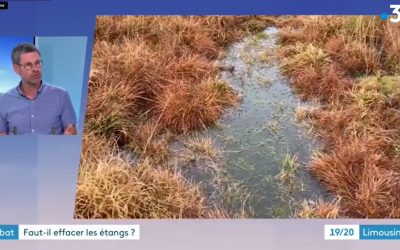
[253,162]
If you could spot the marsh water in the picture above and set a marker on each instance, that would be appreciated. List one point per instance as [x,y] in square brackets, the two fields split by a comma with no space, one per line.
[260,170]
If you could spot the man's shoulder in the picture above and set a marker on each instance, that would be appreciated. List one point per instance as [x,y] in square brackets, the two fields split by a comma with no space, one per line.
[53,88]
[6,98]
[6,95]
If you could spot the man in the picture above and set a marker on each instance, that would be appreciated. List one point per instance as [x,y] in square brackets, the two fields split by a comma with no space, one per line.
[34,107]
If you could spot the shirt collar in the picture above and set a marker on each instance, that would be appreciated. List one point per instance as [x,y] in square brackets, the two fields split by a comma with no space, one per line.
[18,88]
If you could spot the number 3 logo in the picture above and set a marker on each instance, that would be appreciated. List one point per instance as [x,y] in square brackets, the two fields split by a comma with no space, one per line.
[396,11]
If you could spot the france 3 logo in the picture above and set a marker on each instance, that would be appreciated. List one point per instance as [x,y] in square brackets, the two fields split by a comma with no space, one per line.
[395,12]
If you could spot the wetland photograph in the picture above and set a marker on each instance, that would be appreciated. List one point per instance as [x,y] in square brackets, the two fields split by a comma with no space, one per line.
[228,117]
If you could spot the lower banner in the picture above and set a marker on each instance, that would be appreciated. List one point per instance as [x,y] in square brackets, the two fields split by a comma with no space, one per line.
[69,232]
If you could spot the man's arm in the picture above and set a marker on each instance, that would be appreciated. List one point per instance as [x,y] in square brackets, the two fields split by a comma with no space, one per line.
[68,116]
[3,125]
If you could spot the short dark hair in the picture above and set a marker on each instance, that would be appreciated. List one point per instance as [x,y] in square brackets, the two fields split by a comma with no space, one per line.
[22,48]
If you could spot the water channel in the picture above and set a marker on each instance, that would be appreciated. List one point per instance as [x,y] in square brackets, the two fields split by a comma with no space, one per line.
[260,170]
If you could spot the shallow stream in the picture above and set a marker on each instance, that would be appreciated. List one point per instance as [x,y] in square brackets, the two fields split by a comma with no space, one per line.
[260,170]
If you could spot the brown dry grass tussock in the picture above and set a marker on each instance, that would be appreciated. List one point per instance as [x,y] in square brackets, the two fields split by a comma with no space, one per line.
[152,77]
[348,63]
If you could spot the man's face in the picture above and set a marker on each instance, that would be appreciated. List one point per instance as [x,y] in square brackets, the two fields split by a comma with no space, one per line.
[29,68]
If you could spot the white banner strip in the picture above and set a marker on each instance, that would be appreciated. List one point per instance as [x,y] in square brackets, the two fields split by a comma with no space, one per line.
[79,232]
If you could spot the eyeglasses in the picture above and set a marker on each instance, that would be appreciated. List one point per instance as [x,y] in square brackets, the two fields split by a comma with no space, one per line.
[29,66]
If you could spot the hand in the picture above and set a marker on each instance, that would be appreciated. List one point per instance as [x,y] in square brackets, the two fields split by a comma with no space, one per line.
[70,130]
